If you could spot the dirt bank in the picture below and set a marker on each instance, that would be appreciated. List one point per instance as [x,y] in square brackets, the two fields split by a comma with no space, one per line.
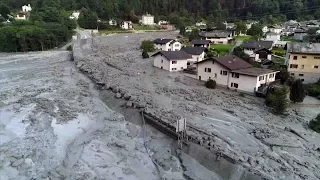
[240,128]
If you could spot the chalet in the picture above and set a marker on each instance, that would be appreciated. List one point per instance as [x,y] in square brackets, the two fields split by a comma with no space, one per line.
[167,44]
[262,54]
[229,26]
[197,53]
[147,19]
[235,73]
[200,43]
[199,24]
[26,8]
[112,22]
[171,60]
[217,36]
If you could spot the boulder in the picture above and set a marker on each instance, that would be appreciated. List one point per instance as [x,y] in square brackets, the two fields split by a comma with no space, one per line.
[118,95]
[17,163]
[129,104]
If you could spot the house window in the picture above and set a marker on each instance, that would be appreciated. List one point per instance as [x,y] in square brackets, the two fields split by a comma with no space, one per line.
[176,45]
[316,67]
[181,67]
[302,66]
[235,75]
[294,66]
[316,57]
[292,74]
[161,67]
[161,60]
[174,62]
[300,74]
[209,70]
[235,85]
[215,75]
[304,57]
[302,80]
[173,69]
[261,78]
[212,62]
[205,69]
[224,73]
[271,75]
[295,57]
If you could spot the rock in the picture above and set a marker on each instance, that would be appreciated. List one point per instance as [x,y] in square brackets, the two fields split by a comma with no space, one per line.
[17,163]
[118,95]
[115,89]
[142,105]
[126,96]
[129,104]
[28,161]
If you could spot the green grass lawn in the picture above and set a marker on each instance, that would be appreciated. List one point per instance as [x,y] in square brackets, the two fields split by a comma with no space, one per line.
[281,61]
[141,27]
[243,38]
[287,38]
[279,51]
[221,49]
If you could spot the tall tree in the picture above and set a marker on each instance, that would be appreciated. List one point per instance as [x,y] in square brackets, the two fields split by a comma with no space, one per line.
[297,92]
[4,11]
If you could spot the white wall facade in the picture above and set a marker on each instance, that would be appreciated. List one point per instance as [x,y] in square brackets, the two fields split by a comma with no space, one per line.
[245,83]
[176,46]
[218,40]
[26,8]
[265,29]
[197,58]
[259,60]
[148,20]
[161,62]
[18,17]
[214,74]
[276,30]
[272,37]
[179,66]
[248,51]
[126,25]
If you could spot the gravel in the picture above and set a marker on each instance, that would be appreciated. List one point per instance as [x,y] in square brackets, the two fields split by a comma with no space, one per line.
[243,128]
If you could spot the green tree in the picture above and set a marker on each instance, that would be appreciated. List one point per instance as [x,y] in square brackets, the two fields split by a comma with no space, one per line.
[194,34]
[88,19]
[255,30]
[283,75]
[147,46]
[277,100]
[314,124]
[4,10]
[241,27]
[145,55]
[297,91]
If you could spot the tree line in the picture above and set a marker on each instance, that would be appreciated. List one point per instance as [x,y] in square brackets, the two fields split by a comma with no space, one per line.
[48,27]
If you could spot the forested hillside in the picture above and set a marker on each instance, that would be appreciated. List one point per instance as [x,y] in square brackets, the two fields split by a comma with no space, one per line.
[226,9]
[179,12]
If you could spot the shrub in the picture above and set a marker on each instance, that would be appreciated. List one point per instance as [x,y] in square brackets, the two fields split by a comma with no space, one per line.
[314,124]
[283,75]
[145,55]
[277,100]
[69,48]
[210,54]
[297,91]
[211,84]
[313,90]
[147,46]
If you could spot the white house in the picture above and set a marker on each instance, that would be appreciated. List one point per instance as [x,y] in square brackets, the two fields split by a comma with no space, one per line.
[271,36]
[265,29]
[229,25]
[75,15]
[167,44]
[197,54]
[262,54]
[21,16]
[161,22]
[250,47]
[235,73]
[201,24]
[275,29]
[217,36]
[126,25]
[148,19]
[171,60]
[200,43]
[26,8]
[112,22]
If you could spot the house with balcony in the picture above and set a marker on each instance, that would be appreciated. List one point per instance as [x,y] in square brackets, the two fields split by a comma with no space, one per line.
[167,44]
[147,20]
[235,74]
[303,61]
[217,36]
[171,60]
